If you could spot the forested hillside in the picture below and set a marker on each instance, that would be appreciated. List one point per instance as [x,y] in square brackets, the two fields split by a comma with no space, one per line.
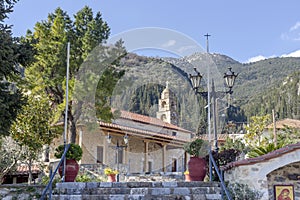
[260,87]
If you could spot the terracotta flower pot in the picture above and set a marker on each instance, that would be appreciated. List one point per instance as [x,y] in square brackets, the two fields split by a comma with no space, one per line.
[187,178]
[197,168]
[71,170]
[111,178]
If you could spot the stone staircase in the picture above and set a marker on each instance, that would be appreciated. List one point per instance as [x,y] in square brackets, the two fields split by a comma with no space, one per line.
[138,191]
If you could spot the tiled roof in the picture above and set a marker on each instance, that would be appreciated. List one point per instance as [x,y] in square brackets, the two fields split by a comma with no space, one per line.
[221,137]
[263,158]
[23,169]
[150,120]
[294,123]
[145,134]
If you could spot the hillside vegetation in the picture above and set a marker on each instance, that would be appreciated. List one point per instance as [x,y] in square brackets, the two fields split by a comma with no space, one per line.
[260,87]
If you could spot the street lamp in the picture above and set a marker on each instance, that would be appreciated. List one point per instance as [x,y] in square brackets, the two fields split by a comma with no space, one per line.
[229,77]
[118,147]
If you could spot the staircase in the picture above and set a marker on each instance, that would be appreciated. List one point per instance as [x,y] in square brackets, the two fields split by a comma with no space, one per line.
[138,191]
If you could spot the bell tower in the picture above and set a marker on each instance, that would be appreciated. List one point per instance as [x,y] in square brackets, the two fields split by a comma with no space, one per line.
[167,107]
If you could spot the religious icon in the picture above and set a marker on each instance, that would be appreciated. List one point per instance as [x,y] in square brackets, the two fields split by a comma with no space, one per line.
[284,192]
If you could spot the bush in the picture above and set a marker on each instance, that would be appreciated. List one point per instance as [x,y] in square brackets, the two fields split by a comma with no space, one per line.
[239,191]
[222,159]
[74,152]
[196,148]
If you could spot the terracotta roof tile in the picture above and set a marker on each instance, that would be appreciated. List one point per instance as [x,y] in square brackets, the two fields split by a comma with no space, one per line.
[150,120]
[294,123]
[23,169]
[138,131]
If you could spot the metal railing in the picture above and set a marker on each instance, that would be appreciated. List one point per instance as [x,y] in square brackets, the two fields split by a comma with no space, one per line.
[212,161]
[49,186]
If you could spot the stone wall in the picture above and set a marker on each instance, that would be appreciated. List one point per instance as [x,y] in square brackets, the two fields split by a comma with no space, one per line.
[285,176]
[20,192]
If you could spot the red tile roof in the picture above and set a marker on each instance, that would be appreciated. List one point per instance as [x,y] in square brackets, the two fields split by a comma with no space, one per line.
[263,158]
[294,123]
[23,169]
[150,120]
[144,133]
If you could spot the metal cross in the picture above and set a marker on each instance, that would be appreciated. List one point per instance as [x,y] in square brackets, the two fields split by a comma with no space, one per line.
[207,47]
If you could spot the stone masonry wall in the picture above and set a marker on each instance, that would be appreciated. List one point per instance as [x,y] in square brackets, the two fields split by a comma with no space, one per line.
[283,176]
[20,191]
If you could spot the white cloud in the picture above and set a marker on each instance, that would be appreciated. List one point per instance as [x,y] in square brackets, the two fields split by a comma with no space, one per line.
[293,54]
[256,58]
[260,57]
[295,27]
[169,43]
[293,33]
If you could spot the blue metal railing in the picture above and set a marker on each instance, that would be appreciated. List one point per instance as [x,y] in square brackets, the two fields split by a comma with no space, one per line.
[49,186]
[212,161]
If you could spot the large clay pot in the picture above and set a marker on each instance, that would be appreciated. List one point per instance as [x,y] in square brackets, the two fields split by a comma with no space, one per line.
[71,171]
[197,168]
[111,178]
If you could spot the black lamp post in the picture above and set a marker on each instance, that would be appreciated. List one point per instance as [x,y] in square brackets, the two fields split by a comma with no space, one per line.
[229,77]
[118,148]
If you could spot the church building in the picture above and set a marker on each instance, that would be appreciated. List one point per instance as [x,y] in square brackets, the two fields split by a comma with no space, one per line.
[135,143]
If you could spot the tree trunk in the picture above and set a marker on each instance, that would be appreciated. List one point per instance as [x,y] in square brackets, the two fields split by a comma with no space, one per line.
[46,153]
[29,172]
[72,128]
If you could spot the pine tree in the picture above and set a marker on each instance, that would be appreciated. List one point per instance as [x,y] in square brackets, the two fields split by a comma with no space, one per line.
[48,72]
[11,99]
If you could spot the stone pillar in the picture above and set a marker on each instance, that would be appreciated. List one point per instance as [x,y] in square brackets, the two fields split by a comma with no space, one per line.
[164,157]
[146,156]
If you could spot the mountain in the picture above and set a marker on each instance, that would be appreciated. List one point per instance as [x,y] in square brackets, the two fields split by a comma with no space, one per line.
[256,90]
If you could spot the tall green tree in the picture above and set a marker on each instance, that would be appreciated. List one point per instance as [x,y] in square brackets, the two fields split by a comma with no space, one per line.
[48,72]
[12,55]
[33,129]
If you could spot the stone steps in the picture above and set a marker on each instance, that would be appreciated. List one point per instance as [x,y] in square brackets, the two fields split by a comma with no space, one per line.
[138,191]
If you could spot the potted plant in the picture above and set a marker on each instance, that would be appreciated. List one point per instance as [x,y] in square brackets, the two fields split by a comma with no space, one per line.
[197,164]
[111,174]
[73,155]
[187,176]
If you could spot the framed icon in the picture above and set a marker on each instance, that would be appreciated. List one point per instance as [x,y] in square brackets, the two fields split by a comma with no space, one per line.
[284,192]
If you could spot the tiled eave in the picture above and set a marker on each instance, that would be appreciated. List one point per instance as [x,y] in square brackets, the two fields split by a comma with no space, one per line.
[24,170]
[263,158]
[150,120]
[221,137]
[147,135]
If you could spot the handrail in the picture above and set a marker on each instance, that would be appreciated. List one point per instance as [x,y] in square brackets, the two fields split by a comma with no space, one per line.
[55,171]
[220,176]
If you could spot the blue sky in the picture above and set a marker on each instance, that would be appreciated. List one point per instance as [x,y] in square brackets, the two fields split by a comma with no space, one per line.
[239,29]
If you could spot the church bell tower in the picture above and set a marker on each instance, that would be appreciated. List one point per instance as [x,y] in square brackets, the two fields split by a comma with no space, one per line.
[167,110]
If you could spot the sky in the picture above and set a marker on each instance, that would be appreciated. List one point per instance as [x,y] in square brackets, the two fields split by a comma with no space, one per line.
[243,30]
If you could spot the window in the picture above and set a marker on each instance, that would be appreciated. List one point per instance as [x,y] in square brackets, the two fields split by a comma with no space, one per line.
[149,166]
[174,165]
[99,154]
[174,133]
[119,156]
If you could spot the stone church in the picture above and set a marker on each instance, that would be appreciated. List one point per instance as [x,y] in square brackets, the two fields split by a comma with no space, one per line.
[135,143]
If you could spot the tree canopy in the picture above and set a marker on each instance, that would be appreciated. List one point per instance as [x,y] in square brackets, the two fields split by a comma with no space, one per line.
[48,72]
[13,54]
